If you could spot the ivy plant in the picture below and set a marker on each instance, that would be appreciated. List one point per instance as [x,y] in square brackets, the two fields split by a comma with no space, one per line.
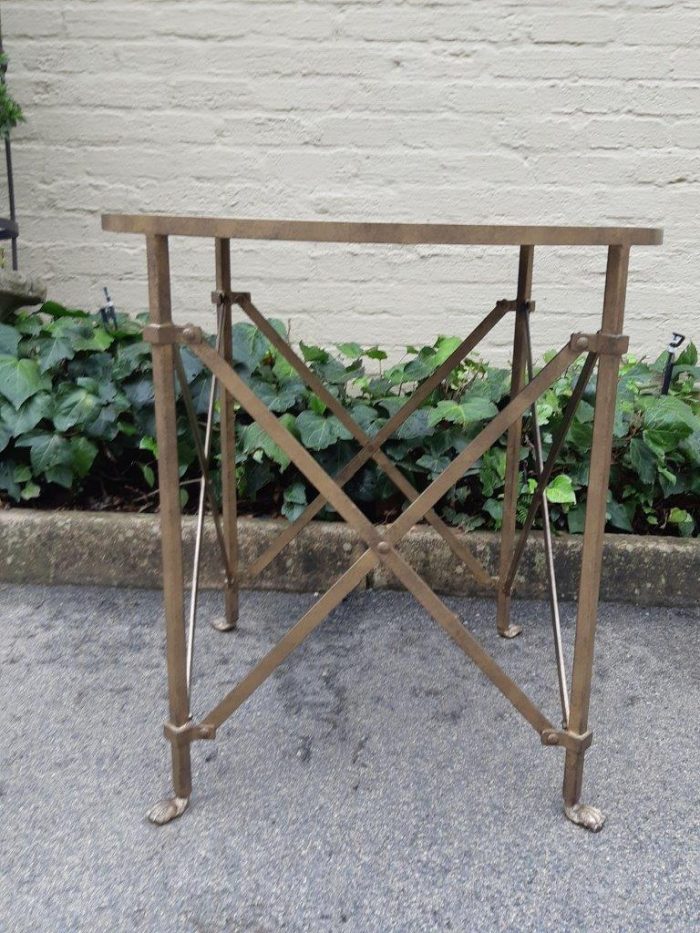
[77,428]
[10,111]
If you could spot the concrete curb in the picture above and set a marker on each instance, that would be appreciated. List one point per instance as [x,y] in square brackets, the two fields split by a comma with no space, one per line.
[118,549]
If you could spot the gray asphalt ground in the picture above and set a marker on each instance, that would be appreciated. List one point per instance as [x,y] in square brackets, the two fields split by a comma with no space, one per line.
[377,782]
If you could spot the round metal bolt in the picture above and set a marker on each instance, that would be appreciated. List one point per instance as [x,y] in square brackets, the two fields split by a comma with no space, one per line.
[383,547]
[582,343]
[552,739]
[190,333]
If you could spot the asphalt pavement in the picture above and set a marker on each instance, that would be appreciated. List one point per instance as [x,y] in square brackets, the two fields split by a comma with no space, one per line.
[377,782]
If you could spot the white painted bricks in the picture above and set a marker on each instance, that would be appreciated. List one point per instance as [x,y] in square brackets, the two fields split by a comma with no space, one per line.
[474,112]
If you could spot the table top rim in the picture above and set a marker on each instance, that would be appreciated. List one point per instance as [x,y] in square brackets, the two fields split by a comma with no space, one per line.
[383,232]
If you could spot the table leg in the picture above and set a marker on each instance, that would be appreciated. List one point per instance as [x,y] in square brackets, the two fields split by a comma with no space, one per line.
[512,479]
[591,561]
[170,527]
[228,443]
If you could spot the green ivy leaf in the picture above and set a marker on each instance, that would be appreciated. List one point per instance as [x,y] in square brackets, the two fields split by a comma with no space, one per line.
[149,443]
[294,503]
[351,350]
[55,310]
[92,338]
[46,450]
[20,379]
[684,520]
[256,440]
[642,460]
[133,357]
[561,490]
[53,350]
[20,420]
[61,474]
[278,398]
[83,453]
[575,519]
[417,425]
[9,340]
[313,354]
[619,514]
[148,474]
[463,413]
[434,465]
[8,482]
[318,432]
[77,406]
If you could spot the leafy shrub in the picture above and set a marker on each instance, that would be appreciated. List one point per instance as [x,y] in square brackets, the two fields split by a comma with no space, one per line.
[10,111]
[77,428]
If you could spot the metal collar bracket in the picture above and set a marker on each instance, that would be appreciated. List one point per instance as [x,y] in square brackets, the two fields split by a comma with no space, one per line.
[510,304]
[220,298]
[160,334]
[600,344]
[189,732]
[567,739]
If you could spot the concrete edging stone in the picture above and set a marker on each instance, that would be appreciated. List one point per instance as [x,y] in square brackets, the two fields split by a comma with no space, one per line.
[123,549]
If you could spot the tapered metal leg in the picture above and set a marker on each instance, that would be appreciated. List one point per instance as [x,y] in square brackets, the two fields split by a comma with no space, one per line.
[606,393]
[228,442]
[512,479]
[170,525]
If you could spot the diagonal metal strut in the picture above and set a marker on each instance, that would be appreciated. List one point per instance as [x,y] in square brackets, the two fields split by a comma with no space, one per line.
[382,549]
[414,402]
[371,445]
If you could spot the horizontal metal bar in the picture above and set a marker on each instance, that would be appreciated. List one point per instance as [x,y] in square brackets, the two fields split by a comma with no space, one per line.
[323,231]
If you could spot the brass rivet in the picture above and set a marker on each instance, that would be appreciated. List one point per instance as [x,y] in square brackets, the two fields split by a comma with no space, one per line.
[383,547]
[581,343]
[552,739]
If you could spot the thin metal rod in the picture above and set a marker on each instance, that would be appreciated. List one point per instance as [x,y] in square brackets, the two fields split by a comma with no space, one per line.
[10,180]
[194,592]
[549,556]
[546,472]
[194,426]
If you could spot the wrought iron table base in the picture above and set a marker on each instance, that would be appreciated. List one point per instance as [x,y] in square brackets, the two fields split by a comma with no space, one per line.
[603,348]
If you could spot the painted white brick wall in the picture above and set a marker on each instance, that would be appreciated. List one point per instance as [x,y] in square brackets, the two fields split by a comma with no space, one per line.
[585,112]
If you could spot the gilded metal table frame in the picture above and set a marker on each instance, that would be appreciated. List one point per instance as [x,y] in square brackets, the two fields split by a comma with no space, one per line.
[603,348]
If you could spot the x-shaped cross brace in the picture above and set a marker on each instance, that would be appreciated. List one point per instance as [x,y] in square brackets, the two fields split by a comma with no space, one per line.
[380,548]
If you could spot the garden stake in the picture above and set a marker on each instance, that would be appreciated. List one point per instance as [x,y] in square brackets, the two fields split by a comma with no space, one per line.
[604,348]
[674,344]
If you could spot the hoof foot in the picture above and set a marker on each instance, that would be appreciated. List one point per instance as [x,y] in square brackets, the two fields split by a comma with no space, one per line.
[584,815]
[511,632]
[223,625]
[166,810]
